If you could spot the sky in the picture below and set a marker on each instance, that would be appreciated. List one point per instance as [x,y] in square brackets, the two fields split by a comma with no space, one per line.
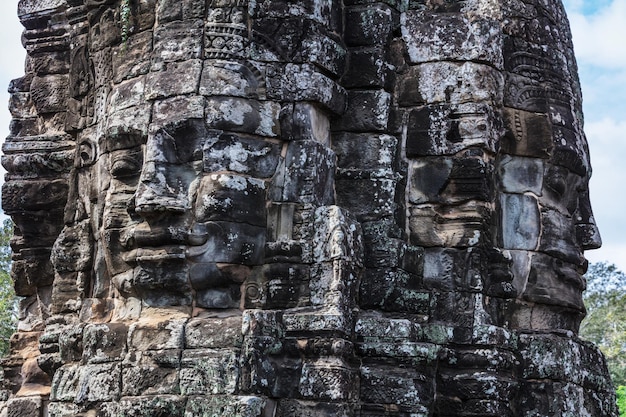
[599,33]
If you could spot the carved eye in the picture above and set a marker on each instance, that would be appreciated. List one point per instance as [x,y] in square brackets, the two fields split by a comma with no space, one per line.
[126,163]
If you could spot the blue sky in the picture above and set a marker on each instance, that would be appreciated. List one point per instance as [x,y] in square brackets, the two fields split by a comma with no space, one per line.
[599,31]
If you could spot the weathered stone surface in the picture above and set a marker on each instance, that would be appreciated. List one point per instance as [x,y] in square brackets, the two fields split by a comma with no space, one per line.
[299,209]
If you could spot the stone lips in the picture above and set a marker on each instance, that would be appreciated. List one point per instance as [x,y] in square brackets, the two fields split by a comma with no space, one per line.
[299,209]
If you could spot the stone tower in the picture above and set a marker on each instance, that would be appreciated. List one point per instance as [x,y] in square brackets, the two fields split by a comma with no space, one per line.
[311,208]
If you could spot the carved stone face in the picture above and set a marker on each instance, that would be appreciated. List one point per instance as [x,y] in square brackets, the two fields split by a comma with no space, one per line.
[178,222]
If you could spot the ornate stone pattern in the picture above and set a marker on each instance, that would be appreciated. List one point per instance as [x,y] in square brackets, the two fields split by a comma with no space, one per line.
[316,208]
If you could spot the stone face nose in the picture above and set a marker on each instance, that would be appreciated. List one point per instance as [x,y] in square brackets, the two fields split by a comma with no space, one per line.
[164,181]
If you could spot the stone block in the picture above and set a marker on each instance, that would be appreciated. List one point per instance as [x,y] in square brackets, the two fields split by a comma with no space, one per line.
[474,40]
[305,121]
[552,281]
[213,333]
[528,315]
[104,342]
[528,95]
[560,191]
[72,250]
[428,179]
[485,362]
[219,298]
[368,68]
[314,319]
[267,370]
[384,251]
[281,285]
[230,152]
[452,406]
[305,83]
[478,385]
[132,59]
[447,130]
[376,326]
[178,41]
[213,371]
[177,110]
[358,152]
[391,289]
[243,115]
[127,94]
[24,407]
[447,82]
[449,226]
[368,199]
[230,197]
[160,283]
[367,111]
[323,50]
[156,333]
[58,409]
[520,174]
[558,237]
[150,405]
[299,408]
[402,352]
[315,10]
[33,195]
[470,178]
[368,25]
[455,309]
[21,106]
[227,78]
[38,164]
[327,379]
[50,93]
[87,383]
[552,357]
[308,174]
[337,236]
[520,221]
[570,150]
[229,242]
[527,134]
[133,121]
[154,372]
[333,284]
[382,384]
[177,78]
[30,274]
[227,405]
[549,68]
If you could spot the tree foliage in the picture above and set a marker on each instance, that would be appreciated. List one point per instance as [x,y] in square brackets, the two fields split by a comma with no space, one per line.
[605,324]
[8,300]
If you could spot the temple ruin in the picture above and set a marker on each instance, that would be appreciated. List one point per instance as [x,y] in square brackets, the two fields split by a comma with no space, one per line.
[299,208]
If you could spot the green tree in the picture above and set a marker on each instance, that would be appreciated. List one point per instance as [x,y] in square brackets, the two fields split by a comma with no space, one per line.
[8,300]
[605,324]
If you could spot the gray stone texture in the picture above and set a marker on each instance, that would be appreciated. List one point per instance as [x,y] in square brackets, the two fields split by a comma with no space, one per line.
[299,209]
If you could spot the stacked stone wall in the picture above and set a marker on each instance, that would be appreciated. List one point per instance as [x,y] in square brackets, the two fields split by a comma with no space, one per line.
[315,208]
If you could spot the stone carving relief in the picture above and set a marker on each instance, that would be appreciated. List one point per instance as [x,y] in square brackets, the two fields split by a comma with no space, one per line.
[281,209]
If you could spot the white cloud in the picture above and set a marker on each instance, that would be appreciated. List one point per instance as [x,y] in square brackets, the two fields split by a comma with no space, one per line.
[13,56]
[598,30]
[608,153]
[615,254]
[599,37]
[10,46]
